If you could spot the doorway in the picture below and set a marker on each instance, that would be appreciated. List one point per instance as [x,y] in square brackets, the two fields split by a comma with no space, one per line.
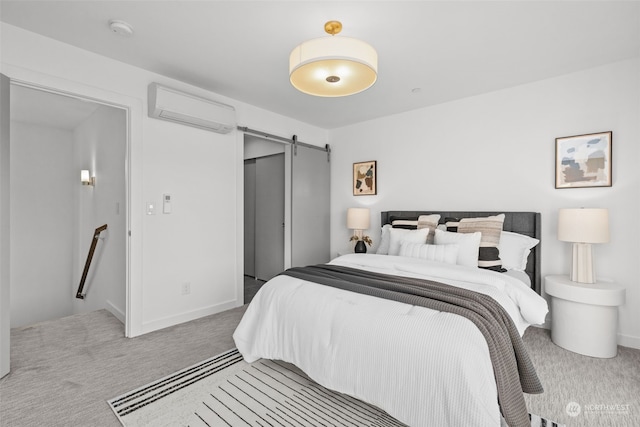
[264,212]
[53,136]
[304,205]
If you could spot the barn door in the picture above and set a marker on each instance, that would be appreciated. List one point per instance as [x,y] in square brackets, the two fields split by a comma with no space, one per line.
[310,203]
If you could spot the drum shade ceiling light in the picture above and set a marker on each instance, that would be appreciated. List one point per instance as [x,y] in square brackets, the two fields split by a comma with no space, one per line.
[333,66]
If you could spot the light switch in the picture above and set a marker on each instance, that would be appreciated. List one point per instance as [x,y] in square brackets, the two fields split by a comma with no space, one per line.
[151,208]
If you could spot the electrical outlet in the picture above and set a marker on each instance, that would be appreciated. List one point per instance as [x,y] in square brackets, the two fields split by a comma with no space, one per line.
[185,288]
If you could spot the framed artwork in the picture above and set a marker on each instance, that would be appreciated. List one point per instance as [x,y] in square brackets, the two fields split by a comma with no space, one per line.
[584,160]
[365,178]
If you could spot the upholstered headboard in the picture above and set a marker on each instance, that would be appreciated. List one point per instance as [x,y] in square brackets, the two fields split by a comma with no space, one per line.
[527,223]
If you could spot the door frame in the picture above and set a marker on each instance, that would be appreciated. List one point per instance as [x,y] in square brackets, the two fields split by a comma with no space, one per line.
[289,152]
[242,131]
[287,191]
[133,176]
[5,230]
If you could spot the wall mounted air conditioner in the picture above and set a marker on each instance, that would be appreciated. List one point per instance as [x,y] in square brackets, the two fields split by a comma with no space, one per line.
[179,107]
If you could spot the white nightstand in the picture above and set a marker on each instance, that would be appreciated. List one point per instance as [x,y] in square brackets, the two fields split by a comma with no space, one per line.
[584,317]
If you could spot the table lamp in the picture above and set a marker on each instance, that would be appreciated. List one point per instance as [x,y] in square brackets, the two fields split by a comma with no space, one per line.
[358,220]
[582,227]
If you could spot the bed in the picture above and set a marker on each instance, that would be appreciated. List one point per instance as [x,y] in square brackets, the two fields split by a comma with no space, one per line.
[422,365]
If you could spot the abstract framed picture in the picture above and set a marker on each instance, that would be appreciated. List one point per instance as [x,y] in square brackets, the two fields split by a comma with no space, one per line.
[365,178]
[584,160]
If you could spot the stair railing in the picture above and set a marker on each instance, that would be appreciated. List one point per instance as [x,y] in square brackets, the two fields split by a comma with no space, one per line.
[87,264]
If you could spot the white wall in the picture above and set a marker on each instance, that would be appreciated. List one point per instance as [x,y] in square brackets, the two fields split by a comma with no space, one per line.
[42,223]
[192,244]
[201,241]
[99,145]
[496,152]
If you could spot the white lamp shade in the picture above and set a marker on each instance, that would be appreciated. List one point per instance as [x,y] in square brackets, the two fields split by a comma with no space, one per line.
[352,61]
[84,177]
[583,225]
[358,218]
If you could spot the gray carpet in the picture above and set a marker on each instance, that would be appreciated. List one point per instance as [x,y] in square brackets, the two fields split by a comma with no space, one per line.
[64,371]
[607,390]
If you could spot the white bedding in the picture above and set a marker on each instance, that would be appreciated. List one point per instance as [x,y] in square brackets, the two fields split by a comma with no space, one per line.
[422,366]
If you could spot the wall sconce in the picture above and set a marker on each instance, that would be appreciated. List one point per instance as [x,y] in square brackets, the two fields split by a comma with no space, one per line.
[86,178]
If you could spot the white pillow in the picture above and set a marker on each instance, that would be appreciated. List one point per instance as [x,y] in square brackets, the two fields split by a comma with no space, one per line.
[469,245]
[383,247]
[514,250]
[399,235]
[441,253]
[520,275]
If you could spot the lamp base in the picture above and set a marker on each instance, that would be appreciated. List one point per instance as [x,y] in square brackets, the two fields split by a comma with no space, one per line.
[582,268]
[360,248]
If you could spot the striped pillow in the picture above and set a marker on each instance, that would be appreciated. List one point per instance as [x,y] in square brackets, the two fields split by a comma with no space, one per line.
[406,223]
[451,224]
[491,228]
[423,221]
[441,253]
[430,222]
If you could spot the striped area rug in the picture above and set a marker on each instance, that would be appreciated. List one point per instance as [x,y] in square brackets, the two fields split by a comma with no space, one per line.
[227,391]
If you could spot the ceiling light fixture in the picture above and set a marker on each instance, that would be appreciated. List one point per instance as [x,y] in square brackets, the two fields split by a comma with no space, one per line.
[333,66]
[121,28]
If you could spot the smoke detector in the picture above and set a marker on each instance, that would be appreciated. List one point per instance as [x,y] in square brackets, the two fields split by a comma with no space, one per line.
[121,28]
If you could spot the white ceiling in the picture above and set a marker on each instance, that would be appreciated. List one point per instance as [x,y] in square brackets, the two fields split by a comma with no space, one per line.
[448,49]
[42,108]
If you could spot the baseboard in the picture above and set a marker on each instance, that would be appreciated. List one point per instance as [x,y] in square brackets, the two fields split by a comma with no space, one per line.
[119,314]
[165,322]
[629,341]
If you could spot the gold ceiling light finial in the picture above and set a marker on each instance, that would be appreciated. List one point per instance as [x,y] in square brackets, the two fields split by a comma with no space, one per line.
[333,27]
[333,66]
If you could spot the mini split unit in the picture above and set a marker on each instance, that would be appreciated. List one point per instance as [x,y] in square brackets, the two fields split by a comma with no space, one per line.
[179,107]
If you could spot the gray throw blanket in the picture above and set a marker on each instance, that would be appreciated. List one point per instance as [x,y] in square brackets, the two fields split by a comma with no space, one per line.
[513,370]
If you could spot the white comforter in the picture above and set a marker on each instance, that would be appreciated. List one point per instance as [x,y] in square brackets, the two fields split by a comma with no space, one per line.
[422,366]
